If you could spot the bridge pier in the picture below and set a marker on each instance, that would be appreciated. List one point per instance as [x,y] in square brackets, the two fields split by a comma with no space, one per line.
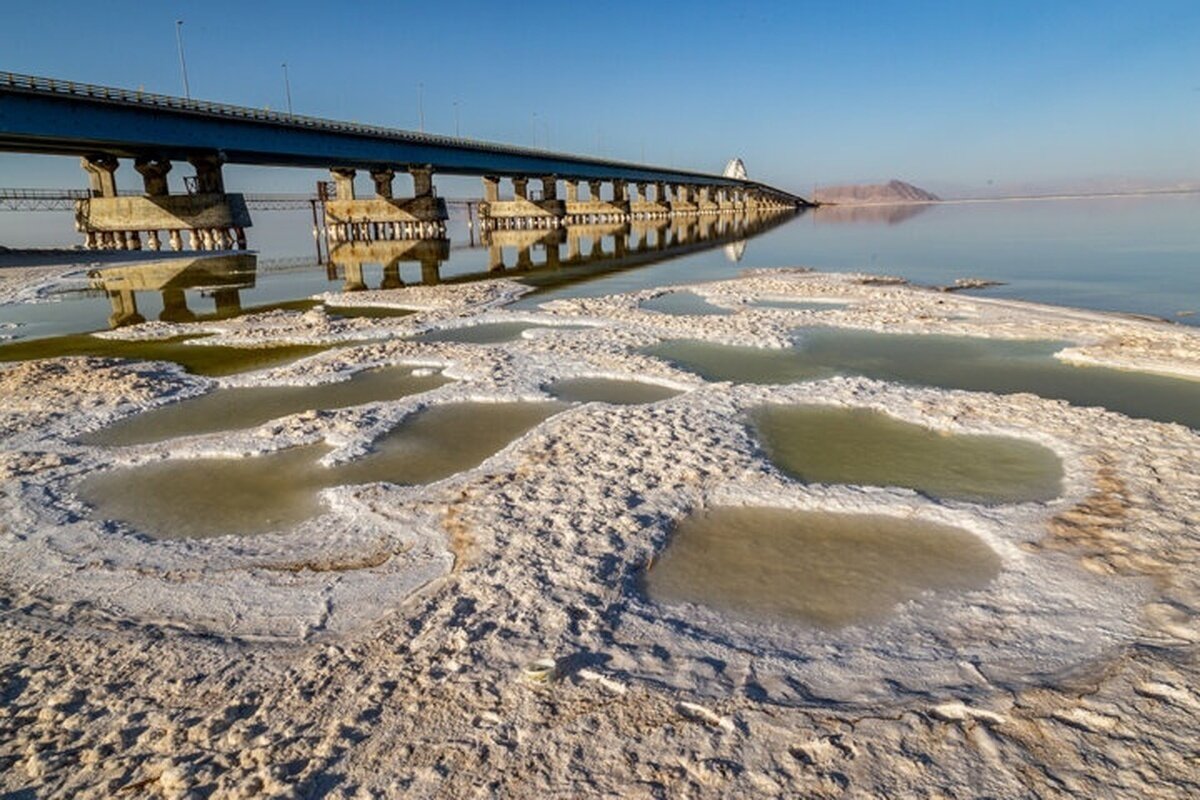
[384,217]
[522,212]
[110,221]
[642,207]
[596,210]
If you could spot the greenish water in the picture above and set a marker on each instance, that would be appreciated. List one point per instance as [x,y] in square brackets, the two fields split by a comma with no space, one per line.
[196,498]
[822,569]
[368,312]
[684,304]
[951,362]
[486,333]
[796,305]
[822,444]
[201,359]
[230,409]
[607,390]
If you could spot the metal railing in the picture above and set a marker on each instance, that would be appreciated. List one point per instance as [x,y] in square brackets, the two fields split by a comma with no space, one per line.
[14,81]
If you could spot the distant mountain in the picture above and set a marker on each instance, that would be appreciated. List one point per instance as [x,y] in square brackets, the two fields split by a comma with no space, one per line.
[864,193]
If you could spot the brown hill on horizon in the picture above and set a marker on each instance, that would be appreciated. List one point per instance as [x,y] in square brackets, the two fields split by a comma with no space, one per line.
[860,194]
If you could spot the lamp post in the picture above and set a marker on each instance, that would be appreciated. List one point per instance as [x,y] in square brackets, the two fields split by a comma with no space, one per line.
[287,88]
[421,106]
[187,92]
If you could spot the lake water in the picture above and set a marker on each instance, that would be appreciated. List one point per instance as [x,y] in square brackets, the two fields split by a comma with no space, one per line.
[1138,255]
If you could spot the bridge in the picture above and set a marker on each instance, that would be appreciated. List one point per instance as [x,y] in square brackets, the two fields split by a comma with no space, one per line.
[102,125]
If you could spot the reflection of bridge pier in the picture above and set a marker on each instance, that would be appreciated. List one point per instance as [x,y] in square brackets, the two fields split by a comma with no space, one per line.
[225,276]
[524,242]
[350,257]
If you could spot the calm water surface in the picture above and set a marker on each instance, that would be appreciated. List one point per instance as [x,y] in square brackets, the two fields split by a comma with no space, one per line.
[822,569]
[1139,255]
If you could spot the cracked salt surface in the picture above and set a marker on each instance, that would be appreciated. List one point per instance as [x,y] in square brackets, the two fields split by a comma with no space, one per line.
[441,592]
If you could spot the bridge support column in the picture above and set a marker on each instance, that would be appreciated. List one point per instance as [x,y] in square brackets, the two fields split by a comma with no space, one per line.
[101,170]
[154,175]
[521,188]
[343,182]
[382,178]
[422,181]
[550,187]
[491,189]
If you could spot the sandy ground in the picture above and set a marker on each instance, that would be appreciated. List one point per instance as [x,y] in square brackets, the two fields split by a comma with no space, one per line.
[380,649]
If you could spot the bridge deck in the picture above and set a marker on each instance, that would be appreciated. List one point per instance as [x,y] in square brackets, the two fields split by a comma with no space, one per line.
[41,115]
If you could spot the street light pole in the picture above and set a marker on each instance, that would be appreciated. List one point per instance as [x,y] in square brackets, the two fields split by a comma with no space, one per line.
[187,92]
[421,106]
[287,87]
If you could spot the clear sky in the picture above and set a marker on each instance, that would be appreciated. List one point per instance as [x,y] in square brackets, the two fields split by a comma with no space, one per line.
[939,93]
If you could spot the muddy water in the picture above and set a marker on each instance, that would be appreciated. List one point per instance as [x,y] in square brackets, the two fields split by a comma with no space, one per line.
[443,440]
[823,444]
[231,409]
[684,304]
[952,362]
[608,390]
[200,359]
[822,569]
[796,305]
[198,498]
[486,333]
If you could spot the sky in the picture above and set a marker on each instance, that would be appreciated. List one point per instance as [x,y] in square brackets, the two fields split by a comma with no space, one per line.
[955,96]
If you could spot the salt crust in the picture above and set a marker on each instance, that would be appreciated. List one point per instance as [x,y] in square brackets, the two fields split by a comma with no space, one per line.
[432,597]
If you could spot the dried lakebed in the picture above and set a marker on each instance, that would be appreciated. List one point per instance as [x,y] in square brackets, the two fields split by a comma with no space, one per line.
[381,646]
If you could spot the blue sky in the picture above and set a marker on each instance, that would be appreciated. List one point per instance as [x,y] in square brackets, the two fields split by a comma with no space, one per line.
[939,93]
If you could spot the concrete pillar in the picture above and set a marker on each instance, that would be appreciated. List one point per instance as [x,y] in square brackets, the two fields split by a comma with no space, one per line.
[618,191]
[343,181]
[491,189]
[208,174]
[154,175]
[660,192]
[641,190]
[521,188]
[383,182]
[572,191]
[101,174]
[550,187]
[594,189]
[422,180]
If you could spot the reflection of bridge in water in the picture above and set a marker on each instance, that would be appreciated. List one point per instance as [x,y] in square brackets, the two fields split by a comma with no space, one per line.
[540,257]
[224,277]
[553,256]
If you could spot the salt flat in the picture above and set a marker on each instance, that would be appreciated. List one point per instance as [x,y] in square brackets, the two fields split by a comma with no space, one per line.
[380,647]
